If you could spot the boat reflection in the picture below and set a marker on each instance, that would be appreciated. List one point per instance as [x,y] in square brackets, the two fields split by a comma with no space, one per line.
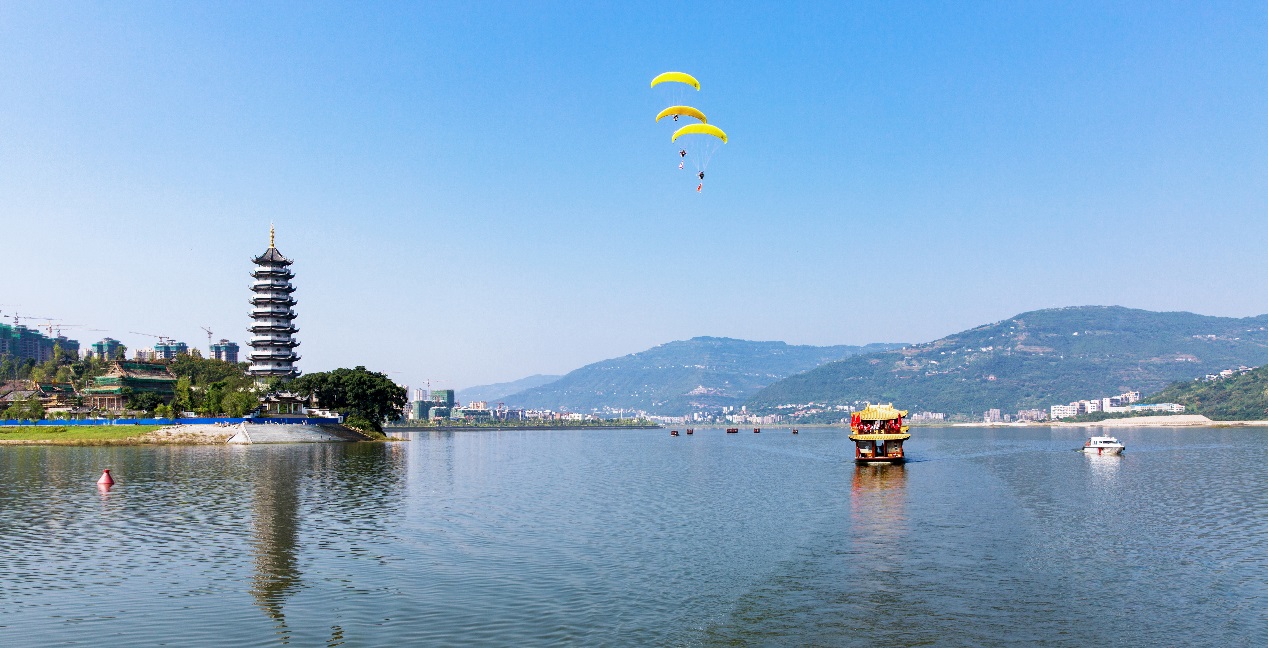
[878,506]
[1104,468]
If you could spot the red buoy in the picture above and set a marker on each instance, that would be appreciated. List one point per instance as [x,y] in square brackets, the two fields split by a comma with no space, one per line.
[106,479]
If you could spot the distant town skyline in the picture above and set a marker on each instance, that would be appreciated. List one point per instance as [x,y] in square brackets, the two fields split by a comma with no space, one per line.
[475,194]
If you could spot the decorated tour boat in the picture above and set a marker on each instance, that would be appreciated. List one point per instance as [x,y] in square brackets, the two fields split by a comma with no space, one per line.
[878,434]
[1102,445]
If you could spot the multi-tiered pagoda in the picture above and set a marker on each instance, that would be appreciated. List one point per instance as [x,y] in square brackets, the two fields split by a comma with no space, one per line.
[272,347]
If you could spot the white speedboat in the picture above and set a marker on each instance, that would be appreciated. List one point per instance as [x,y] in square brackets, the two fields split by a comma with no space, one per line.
[1102,445]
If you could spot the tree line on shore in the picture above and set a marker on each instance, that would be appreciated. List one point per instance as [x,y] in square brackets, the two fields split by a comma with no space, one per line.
[210,387]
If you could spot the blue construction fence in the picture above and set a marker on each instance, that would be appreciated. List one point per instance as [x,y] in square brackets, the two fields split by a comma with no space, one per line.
[177,421]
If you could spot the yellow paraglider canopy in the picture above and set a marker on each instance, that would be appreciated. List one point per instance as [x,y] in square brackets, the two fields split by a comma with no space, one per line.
[699,129]
[680,77]
[682,110]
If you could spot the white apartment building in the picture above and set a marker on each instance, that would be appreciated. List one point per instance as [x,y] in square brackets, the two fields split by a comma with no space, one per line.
[1063,411]
[1171,408]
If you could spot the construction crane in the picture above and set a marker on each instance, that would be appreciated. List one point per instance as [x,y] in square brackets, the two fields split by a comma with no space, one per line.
[16,318]
[208,336]
[163,339]
[59,327]
[51,325]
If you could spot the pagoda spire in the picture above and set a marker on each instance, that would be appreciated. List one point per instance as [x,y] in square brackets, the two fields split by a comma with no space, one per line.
[272,246]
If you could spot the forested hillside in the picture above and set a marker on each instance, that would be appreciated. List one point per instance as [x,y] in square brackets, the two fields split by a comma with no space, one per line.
[1034,360]
[683,376]
[1236,398]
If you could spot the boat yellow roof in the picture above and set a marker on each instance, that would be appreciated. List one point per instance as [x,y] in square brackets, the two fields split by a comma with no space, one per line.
[884,436]
[881,412]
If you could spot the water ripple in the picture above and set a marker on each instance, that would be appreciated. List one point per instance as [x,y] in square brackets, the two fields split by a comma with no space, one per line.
[987,537]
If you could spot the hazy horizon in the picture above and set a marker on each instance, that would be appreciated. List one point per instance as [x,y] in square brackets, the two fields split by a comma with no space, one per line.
[475,194]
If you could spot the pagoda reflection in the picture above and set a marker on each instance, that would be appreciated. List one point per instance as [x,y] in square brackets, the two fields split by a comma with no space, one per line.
[275,529]
[352,488]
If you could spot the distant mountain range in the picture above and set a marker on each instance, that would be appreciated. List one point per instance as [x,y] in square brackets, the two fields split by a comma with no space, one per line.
[1034,360]
[684,376]
[497,392]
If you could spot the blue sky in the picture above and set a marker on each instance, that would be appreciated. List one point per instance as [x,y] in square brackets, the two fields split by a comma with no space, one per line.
[478,193]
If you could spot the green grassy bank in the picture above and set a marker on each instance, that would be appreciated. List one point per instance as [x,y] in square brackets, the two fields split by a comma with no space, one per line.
[76,434]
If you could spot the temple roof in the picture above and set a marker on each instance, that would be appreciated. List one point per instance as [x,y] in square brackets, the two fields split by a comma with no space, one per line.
[50,388]
[272,256]
[880,412]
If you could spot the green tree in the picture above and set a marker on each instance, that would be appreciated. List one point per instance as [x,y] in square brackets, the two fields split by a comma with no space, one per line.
[144,401]
[30,409]
[239,403]
[201,371]
[365,398]
[184,396]
[210,403]
[163,411]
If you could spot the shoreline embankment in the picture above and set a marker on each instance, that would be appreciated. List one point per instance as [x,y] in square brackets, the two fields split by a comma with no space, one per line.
[495,428]
[1173,420]
[184,434]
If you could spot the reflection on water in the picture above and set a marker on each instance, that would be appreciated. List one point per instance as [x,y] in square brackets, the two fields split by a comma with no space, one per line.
[633,538]
[350,487]
[878,506]
[1104,468]
[275,529]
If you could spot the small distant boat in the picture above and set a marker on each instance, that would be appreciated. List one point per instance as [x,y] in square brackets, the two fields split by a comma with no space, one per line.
[794,430]
[691,431]
[757,430]
[673,433]
[1102,445]
[733,430]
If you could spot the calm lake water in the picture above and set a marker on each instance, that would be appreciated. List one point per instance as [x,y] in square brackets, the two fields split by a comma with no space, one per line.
[987,537]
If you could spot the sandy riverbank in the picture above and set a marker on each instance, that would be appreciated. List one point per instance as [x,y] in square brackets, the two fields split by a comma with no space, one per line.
[114,435]
[200,434]
[1173,420]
